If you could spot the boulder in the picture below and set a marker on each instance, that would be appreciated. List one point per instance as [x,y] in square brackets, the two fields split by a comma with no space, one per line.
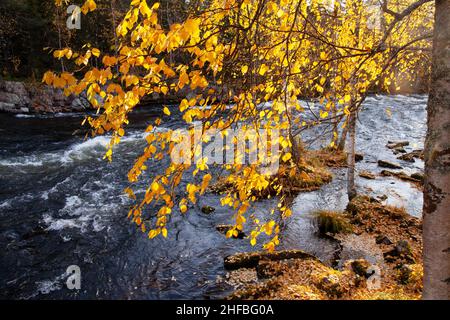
[401,175]
[16,97]
[398,150]
[10,98]
[208,209]
[77,105]
[390,165]
[359,157]
[397,144]
[15,87]
[410,157]
[8,107]
[367,175]
[418,176]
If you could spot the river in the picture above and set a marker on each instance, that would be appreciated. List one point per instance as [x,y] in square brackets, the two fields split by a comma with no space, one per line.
[61,204]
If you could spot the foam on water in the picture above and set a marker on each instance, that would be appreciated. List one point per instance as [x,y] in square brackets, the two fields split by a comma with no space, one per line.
[93,148]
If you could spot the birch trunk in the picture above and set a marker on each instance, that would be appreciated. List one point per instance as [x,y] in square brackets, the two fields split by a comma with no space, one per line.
[436,209]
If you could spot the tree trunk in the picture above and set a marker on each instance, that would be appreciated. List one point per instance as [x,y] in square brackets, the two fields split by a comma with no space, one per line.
[341,144]
[436,208]
[351,189]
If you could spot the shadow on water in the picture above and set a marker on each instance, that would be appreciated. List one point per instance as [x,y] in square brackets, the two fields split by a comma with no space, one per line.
[61,204]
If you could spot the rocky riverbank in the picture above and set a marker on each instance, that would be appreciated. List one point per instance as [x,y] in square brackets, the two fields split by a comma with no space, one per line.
[387,236]
[21,97]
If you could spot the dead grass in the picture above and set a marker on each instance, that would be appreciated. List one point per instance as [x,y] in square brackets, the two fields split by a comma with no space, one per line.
[331,222]
[309,175]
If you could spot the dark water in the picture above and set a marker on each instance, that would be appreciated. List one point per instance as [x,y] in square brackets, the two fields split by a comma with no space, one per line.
[62,205]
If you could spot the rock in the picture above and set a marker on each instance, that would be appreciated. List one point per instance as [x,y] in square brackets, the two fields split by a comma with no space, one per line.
[418,176]
[35,232]
[400,175]
[224,228]
[367,175]
[407,157]
[383,239]
[387,164]
[397,144]
[10,98]
[252,259]
[208,209]
[359,157]
[14,87]
[77,105]
[14,97]
[18,97]
[398,150]
[403,247]
[360,267]
[410,157]
[402,251]
[8,107]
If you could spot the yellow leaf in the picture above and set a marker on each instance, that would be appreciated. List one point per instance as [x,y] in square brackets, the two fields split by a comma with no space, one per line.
[166,111]
[95,52]
[263,69]
[286,157]
[244,69]
[164,232]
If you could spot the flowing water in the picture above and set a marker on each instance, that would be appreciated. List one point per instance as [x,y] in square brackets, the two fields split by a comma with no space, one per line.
[61,204]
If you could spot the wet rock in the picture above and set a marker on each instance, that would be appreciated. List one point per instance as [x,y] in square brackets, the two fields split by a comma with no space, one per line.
[383,239]
[418,176]
[35,232]
[367,175]
[252,259]
[397,144]
[359,157]
[387,164]
[410,157]
[224,228]
[400,175]
[398,150]
[208,209]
